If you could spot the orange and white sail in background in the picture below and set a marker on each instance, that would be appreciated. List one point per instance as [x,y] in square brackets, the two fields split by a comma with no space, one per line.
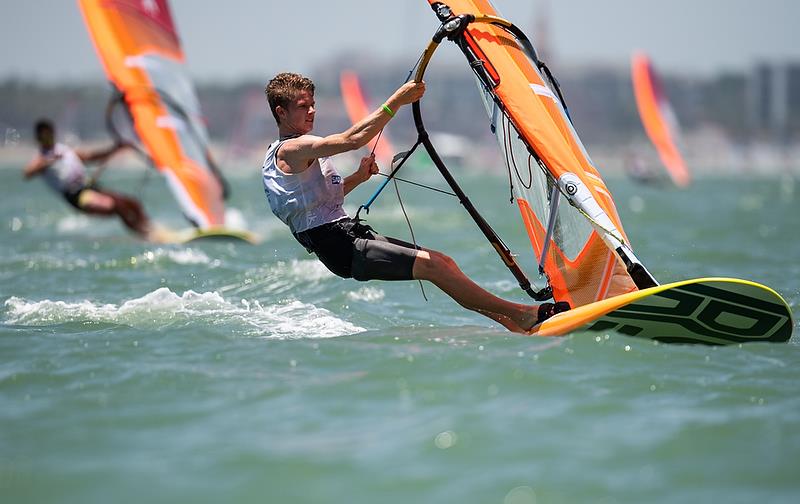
[658,118]
[533,127]
[357,109]
[140,51]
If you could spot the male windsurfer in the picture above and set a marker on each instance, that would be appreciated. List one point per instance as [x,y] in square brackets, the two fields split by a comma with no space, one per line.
[64,171]
[305,191]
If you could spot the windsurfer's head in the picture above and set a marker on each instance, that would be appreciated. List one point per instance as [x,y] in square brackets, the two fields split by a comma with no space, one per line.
[291,100]
[45,133]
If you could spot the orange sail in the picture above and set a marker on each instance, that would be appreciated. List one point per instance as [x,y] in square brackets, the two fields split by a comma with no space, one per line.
[357,108]
[658,118]
[141,54]
[580,244]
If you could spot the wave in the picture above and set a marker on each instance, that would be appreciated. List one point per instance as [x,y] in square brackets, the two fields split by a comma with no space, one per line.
[185,256]
[72,223]
[279,278]
[157,256]
[368,294]
[164,308]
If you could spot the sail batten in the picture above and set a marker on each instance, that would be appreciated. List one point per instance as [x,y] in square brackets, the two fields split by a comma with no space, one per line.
[141,54]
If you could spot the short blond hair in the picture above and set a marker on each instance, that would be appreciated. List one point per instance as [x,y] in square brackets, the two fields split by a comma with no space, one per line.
[283,88]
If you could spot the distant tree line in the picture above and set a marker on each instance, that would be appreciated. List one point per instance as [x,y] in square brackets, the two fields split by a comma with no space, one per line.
[600,99]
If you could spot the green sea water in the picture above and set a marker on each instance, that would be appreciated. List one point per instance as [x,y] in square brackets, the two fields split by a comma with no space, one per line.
[225,372]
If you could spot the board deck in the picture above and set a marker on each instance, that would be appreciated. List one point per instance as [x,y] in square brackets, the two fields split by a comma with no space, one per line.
[712,311]
[183,236]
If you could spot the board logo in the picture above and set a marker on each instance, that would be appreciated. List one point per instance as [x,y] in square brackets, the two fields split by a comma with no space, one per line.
[698,313]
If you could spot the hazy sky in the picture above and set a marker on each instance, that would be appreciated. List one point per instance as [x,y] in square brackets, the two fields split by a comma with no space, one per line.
[226,41]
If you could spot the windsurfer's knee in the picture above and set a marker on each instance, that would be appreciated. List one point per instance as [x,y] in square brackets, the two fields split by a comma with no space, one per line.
[95,202]
[433,264]
[120,199]
[443,260]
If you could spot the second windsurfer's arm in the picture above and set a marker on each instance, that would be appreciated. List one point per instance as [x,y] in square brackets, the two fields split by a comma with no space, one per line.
[100,155]
[38,165]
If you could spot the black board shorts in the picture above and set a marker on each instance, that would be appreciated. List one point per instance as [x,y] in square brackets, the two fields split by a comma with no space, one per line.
[73,195]
[351,249]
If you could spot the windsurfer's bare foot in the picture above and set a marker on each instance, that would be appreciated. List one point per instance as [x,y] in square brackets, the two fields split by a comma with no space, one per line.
[156,233]
[144,231]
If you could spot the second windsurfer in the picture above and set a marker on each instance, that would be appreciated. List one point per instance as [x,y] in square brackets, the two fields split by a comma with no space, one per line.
[65,172]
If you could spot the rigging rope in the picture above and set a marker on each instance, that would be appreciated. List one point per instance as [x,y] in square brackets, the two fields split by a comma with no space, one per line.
[391,176]
[508,149]
[418,184]
[413,238]
[510,140]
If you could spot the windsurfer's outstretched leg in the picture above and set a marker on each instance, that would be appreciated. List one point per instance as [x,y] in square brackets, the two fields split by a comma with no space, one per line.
[127,209]
[443,272]
[131,213]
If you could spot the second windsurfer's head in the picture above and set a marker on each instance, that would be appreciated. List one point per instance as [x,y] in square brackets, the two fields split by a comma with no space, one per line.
[45,133]
[291,101]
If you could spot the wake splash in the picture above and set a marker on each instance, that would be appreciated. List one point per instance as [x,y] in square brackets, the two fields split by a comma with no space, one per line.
[164,308]
[185,256]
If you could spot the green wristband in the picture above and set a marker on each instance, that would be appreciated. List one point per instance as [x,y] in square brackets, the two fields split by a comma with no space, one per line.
[388,110]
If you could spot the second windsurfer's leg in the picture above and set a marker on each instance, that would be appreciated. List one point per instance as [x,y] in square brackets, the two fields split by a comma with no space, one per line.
[443,272]
[131,213]
[107,203]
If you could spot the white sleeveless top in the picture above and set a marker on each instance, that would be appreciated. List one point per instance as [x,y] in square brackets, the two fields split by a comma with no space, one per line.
[66,174]
[307,199]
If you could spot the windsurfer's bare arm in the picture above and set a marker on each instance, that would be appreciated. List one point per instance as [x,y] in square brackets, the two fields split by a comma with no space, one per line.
[100,155]
[38,165]
[297,154]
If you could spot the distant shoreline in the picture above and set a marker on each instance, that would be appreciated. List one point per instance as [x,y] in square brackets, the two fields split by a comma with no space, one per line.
[763,160]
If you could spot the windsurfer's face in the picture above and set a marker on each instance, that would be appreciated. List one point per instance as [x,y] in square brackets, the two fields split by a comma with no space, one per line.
[46,138]
[299,114]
